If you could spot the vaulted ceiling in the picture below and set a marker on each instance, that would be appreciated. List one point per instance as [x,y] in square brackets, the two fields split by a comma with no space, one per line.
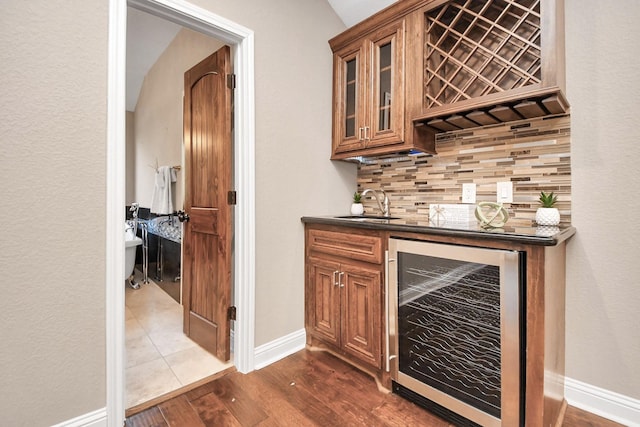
[148,36]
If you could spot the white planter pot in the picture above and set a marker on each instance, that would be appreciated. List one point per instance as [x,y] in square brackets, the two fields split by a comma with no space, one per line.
[548,216]
[357,209]
[547,230]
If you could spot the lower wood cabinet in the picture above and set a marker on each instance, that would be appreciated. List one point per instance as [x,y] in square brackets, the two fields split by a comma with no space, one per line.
[344,294]
[345,311]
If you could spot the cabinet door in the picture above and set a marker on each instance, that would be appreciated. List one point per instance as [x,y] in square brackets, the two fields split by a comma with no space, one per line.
[386,113]
[323,299]
[349,97]
[362,313]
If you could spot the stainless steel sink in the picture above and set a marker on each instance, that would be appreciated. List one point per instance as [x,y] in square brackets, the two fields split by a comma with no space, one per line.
[366,217]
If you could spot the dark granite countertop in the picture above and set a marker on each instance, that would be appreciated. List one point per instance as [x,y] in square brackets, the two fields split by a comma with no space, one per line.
[544,235]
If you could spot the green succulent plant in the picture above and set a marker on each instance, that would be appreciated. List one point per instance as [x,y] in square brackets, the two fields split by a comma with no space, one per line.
[357,197]
[548,199]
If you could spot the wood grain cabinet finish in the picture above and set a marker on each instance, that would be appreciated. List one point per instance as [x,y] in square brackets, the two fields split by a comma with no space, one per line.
[369,92]
[349,319]
[421,67]
[475,63]
[344,294]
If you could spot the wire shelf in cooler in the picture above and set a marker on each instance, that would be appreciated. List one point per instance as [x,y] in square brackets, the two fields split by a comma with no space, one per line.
[429,305]
[468,289]
[459,334]
[469,385]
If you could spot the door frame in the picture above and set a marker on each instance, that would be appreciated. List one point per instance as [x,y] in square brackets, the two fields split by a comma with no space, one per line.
[242,39]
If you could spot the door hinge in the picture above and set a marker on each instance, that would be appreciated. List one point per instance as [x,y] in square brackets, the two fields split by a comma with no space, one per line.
[231,312]
[231,81]
[231,197]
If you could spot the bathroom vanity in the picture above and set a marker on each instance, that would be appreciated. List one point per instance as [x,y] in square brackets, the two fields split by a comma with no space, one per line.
[164,243]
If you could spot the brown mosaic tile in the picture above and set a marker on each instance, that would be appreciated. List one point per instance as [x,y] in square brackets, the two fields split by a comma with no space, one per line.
[535,155]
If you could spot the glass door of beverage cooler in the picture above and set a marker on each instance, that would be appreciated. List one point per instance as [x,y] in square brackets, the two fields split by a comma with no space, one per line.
[455,338]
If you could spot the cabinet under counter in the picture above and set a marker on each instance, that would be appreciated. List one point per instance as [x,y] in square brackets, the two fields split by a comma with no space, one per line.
[330,246]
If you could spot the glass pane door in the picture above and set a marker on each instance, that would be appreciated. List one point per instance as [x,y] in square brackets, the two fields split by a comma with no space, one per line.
[351,90]
[449,327]
[385,91]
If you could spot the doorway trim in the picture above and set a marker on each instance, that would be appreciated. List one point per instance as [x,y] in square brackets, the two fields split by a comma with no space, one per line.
[242,39]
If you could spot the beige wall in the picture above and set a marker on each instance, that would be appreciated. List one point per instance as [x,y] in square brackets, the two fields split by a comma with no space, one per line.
[293,140]
[293,128]
[52,154]
[53,131]
[130,167]
[52,167]
[603,277]
[158,115]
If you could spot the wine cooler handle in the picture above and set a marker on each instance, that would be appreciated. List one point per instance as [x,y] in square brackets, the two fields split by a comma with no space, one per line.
[386,308]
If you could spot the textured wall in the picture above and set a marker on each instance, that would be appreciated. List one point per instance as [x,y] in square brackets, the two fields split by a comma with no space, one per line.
[130,168]
[158,115]
[52,168]
[294,176]
[603,277]
[534,156]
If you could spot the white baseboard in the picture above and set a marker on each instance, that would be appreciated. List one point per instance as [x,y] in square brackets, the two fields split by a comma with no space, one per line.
[273,351]
[96,418]
[608,404]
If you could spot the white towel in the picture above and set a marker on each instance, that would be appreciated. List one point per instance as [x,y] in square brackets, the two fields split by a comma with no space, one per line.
[161,202]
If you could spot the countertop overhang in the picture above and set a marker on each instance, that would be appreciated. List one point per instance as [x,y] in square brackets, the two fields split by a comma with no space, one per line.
[543,236]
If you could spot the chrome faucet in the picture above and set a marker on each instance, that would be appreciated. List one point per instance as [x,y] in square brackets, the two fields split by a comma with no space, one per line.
[134,213]
[384,205]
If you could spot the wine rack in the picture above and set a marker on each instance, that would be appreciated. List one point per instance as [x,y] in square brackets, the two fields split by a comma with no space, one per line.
[485,62]
[474,48]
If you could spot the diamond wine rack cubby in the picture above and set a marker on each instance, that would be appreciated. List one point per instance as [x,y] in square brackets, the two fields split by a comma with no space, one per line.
[475,48]
[491,61]
[421,67]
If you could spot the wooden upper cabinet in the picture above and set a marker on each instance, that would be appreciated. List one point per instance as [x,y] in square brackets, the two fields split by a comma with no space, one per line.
[486,62]
[420,67]
[369,91]
[349,74]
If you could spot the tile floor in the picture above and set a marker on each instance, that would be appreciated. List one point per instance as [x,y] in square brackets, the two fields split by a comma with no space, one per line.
[159,357]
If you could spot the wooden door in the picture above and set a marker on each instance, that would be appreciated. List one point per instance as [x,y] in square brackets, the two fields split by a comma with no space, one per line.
[362,313]
[324,299]
[207,235]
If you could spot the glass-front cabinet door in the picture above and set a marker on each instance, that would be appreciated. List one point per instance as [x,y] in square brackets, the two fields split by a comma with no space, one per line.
[369,91]
[387,87]
[349,99]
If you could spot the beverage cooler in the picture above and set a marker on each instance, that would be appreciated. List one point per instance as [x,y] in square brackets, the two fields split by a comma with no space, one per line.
[456,330]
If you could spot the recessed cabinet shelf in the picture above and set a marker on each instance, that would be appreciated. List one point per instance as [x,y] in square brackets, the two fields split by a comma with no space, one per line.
[510,111]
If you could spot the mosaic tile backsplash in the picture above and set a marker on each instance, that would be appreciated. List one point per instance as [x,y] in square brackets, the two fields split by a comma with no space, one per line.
[535,155]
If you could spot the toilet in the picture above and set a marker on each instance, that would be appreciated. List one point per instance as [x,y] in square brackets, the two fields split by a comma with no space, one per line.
[131,242]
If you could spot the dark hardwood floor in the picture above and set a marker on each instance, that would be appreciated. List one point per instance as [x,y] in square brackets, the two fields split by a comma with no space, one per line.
[305,389]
